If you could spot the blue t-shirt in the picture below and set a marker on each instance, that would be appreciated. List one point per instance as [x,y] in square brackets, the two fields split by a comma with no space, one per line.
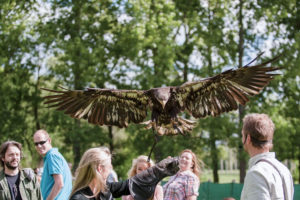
[54,163]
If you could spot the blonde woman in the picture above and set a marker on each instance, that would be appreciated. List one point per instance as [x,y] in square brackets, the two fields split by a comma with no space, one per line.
[185,184]
[94,168]
[138,165]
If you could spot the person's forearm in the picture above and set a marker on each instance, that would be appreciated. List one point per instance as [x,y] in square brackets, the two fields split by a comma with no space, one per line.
[54,192]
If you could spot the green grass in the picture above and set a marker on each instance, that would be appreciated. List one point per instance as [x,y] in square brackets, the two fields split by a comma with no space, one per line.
[224,176]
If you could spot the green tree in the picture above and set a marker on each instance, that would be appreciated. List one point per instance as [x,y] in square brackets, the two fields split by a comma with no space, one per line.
[18,64]
[282,24]
[76,38]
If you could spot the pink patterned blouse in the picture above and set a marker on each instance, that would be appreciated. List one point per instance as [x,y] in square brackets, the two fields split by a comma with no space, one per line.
[181,186]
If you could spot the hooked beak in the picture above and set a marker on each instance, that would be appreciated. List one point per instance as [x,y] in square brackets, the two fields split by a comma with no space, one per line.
[163,103]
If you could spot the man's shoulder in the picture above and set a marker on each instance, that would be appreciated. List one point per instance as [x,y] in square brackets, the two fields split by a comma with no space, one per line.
[259,167]
[2,175]
[28,173]
[267,164]
[53,151]
[54,155]
[268,169]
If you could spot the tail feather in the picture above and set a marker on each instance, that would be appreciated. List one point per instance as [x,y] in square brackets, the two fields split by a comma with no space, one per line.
[175,127]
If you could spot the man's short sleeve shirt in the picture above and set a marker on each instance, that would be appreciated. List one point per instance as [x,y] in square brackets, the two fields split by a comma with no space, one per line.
[54,163]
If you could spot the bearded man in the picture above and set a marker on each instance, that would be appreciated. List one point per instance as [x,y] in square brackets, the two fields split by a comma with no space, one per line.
[15,183]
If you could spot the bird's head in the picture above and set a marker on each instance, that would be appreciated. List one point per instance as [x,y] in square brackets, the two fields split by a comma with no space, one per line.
[162,95]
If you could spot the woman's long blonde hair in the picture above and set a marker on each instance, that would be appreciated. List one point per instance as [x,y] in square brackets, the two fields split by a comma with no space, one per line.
[142,158]
[87,169]
[196,169]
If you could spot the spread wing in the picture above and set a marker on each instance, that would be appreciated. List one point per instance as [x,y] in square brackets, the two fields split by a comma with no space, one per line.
[101,106]
[223,92]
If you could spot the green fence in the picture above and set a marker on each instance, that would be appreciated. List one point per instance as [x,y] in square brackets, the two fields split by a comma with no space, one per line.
[218,191]
[215,191]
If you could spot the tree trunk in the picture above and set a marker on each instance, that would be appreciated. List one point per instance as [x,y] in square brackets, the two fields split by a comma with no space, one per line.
[78,84]
[241,154]
[214,150]
[76,144]
[215,159]
[36,102]
[299,168]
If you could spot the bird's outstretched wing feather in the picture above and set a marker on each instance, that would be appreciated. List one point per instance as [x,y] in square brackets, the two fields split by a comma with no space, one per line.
[101,106]
[223,92]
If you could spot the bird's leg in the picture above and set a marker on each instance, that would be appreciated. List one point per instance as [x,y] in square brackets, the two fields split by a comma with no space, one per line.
[154,144]
[177,125]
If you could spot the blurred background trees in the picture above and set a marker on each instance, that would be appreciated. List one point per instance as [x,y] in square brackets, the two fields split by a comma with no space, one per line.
[142,44]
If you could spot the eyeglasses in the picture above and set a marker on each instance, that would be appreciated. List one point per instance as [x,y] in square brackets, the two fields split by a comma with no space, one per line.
[41,142]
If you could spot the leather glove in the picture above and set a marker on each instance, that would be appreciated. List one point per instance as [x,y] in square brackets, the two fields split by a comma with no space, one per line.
[142,185]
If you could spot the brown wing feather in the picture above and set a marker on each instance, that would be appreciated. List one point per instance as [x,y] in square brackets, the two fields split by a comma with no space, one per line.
[101,106]
[223,92]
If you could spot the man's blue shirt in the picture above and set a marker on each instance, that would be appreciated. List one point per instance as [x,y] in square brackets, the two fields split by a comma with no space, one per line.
[55,163]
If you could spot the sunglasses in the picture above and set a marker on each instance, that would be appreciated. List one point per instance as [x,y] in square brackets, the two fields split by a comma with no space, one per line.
[41,142]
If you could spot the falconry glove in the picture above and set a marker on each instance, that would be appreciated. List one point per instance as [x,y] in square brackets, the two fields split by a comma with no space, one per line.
[142,185]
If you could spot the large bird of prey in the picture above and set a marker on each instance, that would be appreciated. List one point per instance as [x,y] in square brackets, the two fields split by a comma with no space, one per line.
[208,97]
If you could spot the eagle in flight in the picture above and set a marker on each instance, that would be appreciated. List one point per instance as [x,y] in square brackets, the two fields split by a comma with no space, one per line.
[208,97]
